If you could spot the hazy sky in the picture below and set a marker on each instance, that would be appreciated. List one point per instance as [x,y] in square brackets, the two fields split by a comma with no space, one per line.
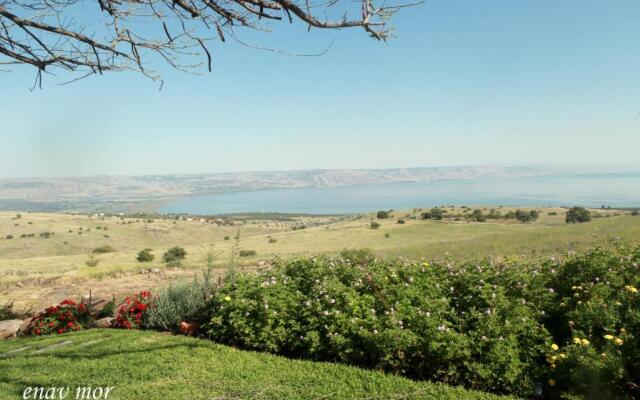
[464,82]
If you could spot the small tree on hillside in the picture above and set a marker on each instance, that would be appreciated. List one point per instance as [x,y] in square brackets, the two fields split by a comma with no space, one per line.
[174,256]
[382,214]
[434,213]
[525,217]
[577,215]
[477,216]
[145,256]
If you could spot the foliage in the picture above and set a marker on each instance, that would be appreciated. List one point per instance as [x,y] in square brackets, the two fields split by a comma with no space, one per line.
[182,301]
[145,255]
[68,316]
[500,327]
[103,249]
[524,216]
[577,215]
[477,215]
[382,214]
[401,221]
[374,225]
[434,213]
[247,253]
[358,256]
[635,212]
[108,310]
[133,312]
[174,256]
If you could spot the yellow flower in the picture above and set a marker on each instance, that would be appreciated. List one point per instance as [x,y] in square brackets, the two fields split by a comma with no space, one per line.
[584,342]
[618,341]
[608,337]
[554,347]
[631,289]
[576,340]
[603,355]
[552,382]
[425,264]
[623,331]
[227,298]
[552,366]
[562,356]
[617,303]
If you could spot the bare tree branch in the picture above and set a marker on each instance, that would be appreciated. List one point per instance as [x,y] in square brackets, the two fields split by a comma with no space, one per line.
[132,34]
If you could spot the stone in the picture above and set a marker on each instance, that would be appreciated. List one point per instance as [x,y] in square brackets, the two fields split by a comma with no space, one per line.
[105,322]
[155,270]
[9,328]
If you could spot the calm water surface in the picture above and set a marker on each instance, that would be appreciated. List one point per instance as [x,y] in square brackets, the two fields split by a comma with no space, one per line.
[615,190]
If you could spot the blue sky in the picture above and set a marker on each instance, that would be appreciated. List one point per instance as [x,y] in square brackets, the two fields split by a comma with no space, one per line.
[464,82]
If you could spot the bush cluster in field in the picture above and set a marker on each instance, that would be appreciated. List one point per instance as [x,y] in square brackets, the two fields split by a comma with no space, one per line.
[565,326]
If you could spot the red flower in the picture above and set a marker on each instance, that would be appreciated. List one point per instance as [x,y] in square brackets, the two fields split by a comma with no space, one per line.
[69,324]
[68,302]
[60,330]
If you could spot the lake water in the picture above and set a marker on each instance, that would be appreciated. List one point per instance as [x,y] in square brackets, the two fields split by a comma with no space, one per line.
[615,190]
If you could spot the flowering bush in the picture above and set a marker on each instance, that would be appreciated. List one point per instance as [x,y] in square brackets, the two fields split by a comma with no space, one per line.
[553,327]
[133,310]
[66,317]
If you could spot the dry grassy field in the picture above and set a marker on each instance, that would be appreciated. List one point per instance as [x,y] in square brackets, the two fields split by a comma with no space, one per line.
[39,268]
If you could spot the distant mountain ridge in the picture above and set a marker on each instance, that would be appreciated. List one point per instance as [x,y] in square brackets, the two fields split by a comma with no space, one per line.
[87,192]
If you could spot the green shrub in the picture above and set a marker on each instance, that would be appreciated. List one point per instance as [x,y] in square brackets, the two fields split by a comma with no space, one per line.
[145,255]
[182,301]
[477,216]
[577,215]
[524,216]
[272,240]
[374,225]
[227,237]
[502,327]
[174,256]
[434,213]
[552,213]
[9,236]
[382,214]
[109,309]
[103,249]
[635,212]
[357,256]
[401,221]
[247,253]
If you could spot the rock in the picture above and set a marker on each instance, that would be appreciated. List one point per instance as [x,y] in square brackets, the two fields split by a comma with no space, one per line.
[24,326]
[103,322]
[155,270]
[9,328]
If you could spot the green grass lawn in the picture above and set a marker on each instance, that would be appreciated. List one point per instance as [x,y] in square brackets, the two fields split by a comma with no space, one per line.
[149,365]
